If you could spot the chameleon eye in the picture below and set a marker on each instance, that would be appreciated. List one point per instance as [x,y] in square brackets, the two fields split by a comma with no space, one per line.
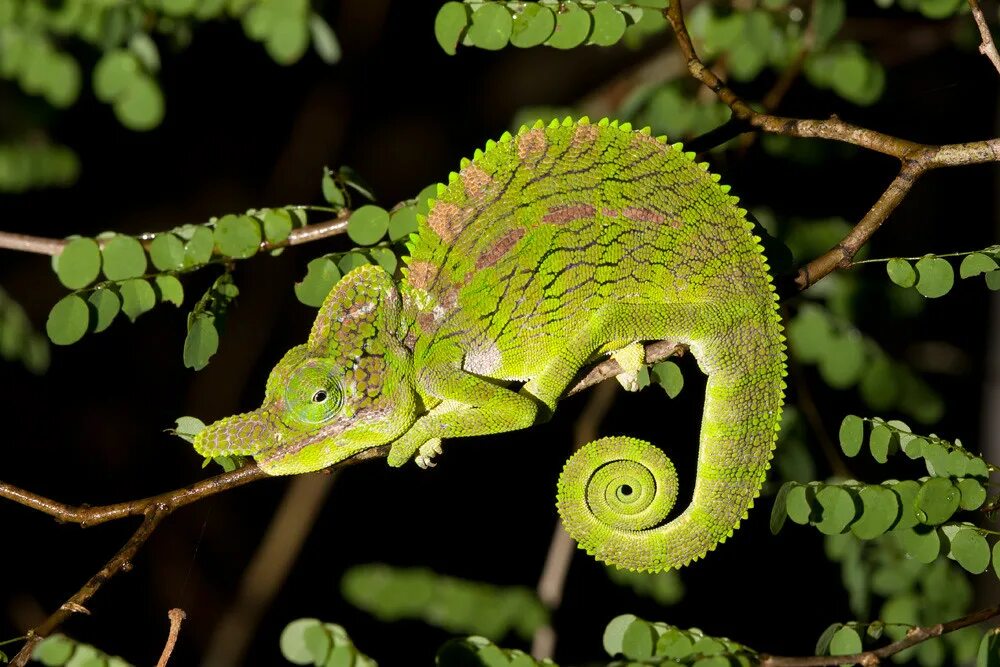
[313,393]
[319,396]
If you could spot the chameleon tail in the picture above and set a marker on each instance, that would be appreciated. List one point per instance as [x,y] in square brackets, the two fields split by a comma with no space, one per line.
[614,493]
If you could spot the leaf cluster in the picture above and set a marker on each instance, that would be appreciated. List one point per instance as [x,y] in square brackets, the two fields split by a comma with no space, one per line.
[18,341]
[642,642]
[309,641]
[457,605]
[30,165]
[58,650]
[933,275]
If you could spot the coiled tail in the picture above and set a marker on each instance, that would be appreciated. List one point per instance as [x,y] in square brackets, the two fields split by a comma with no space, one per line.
[615,493]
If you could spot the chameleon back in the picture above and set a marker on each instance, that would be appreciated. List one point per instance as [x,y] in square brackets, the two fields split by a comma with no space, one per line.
[565,242]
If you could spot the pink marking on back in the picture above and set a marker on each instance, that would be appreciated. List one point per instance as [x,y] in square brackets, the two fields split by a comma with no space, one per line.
[560,215]
[475,181]
[640,214]
[502,246]
[421,274]
[609,212]
[585,134]
[532,144]
[448,220]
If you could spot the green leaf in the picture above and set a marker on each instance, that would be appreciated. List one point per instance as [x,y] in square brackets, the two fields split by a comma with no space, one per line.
[881,443]
[977,263]
[901,272]
[277,224]
[369,224]
[79,263]
[67,320]
[839,509]
[936,277]
[799,507]
[639,640]
[237,236]
[828,17]
[187,428]
[937,501]
[293,643]
[124,258]
[426,195]
[779,511]
[170,289]
[845,641]
[823,643]
[843,361]
[53,650]
[106,306]
[402,223]
[609,24]
[351,261]
[318,642]
[198,250]
[144,48]
[491,26]
[921,544]
[614,633]
[668,375]
[167,252]
[115,73]
[879,513]
[996,557]
[140,106]
[201,343]
[973,493]
[852,434]
[450,24]
[971,550]
[532,26]
[324,39]
[572,27]
[938,9]
[385,258]
[321,275]
[288,38]
[988,654]
[993,280]
[332,192]
[907,491]
[810,334]
[880,384]
[674,644]
[138,297]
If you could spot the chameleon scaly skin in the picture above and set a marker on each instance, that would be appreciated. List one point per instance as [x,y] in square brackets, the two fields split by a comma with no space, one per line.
[545,252]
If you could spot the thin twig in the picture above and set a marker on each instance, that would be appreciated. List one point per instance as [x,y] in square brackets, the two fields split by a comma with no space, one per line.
[305,234]
[913,637]
[988,48]
[915,158]
[120,562]
[552,581]
[176,617]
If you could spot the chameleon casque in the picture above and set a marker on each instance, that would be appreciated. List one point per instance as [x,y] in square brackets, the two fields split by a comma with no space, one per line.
[548,250]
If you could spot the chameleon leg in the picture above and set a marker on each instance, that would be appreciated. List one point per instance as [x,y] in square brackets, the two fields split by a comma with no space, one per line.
[469,406]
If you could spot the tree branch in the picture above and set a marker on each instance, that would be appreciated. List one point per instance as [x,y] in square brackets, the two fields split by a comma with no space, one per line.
[913,637]
[915,158]
[987,47]
[305,234]
[176,617]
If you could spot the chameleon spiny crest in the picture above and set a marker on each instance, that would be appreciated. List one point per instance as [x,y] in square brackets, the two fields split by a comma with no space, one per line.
[548,250]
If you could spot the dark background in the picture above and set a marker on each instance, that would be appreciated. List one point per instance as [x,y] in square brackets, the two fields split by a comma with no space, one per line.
[240,132]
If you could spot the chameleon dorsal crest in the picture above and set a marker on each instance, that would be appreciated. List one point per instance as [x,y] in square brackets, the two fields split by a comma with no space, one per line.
[551,248]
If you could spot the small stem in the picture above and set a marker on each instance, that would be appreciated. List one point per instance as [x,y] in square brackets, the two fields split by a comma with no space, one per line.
[988,48]
[176,617]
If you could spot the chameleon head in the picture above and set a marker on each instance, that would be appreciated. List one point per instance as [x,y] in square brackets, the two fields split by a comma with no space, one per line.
[350,388]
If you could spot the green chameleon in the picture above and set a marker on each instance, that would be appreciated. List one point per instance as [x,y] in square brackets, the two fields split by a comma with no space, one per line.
[548,251]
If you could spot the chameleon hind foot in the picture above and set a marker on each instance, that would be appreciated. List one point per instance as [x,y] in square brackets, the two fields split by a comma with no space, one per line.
[427,452]
[631,358]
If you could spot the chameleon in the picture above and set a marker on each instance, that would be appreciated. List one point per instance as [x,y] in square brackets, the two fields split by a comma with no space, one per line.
[550,250]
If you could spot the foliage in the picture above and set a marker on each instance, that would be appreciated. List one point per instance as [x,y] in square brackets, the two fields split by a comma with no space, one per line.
[58,650]
[17,340]
[456,605]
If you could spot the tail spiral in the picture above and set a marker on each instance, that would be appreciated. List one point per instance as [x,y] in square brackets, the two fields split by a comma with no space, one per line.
[609,491]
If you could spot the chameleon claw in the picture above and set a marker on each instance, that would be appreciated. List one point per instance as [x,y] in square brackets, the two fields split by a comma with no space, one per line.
[427,452]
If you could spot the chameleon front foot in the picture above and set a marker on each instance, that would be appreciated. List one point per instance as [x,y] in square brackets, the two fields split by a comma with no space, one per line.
[631,358]
[427,452]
